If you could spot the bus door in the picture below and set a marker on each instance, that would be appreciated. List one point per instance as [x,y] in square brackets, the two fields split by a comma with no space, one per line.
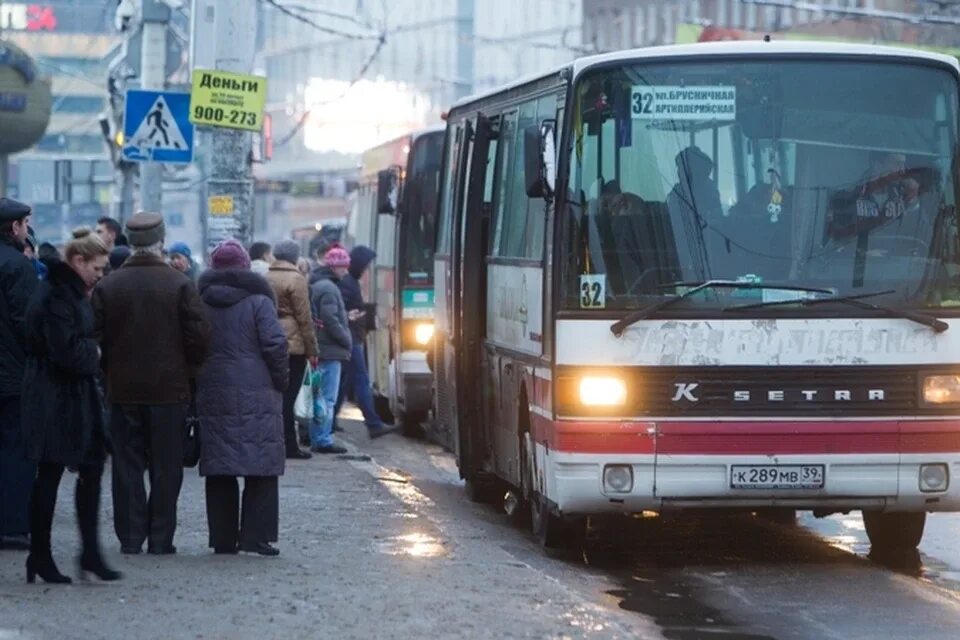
[470,301]
[447,282]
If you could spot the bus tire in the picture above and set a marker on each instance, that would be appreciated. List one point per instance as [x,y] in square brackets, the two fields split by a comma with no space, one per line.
[552,532]
[894,531]
[381,404]
[483,489]
[411,423]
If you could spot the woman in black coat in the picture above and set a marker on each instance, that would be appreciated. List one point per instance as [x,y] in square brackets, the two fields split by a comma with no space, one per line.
[62,411]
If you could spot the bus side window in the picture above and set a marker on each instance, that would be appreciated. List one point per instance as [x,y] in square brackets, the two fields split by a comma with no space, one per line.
[504,168]
[535,228]
[449,188]
[514,210]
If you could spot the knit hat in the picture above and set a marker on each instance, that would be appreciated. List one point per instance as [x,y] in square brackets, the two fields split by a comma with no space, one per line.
[145,229]
[180,248]
[336,256]
[230,254]
[118,256]
[288,251]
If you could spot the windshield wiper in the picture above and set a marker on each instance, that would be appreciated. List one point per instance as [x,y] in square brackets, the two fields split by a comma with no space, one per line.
[695,287]
[856,301]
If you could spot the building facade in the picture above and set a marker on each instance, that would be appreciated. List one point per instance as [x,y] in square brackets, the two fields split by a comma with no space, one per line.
[375,70]
[67,176]
[610,25]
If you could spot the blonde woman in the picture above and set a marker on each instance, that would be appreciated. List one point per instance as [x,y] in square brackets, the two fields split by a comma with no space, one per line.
[62,410]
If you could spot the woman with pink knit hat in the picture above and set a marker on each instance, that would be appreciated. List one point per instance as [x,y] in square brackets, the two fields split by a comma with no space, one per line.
[240,404]
[333,340]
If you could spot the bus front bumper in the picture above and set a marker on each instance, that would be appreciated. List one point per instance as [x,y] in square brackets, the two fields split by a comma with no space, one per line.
[577,481]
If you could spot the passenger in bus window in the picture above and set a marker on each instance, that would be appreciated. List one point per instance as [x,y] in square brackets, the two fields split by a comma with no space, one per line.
[695,192]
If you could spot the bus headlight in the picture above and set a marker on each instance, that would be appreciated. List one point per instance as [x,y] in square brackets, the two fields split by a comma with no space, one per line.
[423,333]
[602,391]
[941,389]
[934,477]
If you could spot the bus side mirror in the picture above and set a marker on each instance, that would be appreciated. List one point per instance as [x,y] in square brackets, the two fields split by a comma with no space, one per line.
[539,160]
[387,191]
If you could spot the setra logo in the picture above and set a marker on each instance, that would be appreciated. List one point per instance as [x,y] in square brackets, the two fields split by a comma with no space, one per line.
[687,392]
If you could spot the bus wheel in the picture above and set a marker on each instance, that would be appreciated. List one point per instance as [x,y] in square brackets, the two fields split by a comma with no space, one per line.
[777,515]
[412,423]
[381,404]
[483,488]
[894,531]
[551,531]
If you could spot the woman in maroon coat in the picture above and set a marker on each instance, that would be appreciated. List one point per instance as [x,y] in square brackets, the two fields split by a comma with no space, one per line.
[240,404]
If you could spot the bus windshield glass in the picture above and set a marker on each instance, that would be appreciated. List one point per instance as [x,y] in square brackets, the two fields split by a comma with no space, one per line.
[828,174]
[419,211]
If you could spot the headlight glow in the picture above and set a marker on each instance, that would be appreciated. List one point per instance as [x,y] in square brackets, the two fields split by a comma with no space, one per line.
[423,333]
[602,391]
[941,389]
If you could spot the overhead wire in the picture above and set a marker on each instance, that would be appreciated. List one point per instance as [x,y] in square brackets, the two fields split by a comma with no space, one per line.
[288,11]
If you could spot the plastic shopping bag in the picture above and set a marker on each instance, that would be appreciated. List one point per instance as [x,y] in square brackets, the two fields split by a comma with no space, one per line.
[303,406]
[320,408]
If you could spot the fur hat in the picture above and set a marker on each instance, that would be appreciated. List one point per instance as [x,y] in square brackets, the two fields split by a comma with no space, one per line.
[288,251]
[145,229]
[336,256]
[230,254]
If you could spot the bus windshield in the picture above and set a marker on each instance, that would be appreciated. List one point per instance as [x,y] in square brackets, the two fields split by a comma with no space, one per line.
[833,174]
[419,211]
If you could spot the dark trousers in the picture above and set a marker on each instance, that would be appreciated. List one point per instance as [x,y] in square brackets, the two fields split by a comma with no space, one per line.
[44,501]
[16,472]
[147,438]
[354,377]
[298,364]
[260,516]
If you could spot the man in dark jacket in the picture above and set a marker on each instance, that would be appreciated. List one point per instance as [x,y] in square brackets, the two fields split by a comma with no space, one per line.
[18,279]
[355,376]
[334,342]
[154,338]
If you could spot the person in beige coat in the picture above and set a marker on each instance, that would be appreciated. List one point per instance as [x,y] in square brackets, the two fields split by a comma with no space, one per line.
[293,307]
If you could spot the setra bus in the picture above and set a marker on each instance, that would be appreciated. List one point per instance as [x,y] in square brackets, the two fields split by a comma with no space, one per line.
[706,276]
[395,214]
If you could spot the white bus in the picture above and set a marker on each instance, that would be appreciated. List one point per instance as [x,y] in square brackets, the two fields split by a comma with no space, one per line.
[395,214]
[707,276]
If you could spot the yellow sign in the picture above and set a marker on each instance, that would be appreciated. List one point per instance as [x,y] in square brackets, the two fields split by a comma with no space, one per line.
[222,99]
[220,205]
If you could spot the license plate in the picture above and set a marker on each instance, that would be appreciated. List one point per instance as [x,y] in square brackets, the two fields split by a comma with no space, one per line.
[777,476]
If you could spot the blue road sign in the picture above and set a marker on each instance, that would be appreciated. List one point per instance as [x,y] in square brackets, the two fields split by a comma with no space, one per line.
[156,127]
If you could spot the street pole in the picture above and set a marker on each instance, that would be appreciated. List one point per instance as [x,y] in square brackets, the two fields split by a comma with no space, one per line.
[153,57]
[125,202]
[227,158]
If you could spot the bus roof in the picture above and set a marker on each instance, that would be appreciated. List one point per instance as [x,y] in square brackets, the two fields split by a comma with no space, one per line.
[726,48]
[391,152]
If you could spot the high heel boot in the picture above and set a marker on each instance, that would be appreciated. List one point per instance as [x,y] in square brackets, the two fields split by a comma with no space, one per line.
[46,569]
[87,499]
[93,562]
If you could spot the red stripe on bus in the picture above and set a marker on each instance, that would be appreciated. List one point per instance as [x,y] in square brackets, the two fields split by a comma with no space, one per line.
[593,437]
[750,438]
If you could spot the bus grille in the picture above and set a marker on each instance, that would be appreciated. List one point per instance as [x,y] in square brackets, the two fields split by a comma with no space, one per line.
[778,391]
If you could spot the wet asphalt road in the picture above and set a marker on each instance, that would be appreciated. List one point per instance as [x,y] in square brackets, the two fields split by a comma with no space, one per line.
[383,543]
[728,576]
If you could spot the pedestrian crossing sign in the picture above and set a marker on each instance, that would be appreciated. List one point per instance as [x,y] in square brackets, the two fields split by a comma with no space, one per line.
[156,127]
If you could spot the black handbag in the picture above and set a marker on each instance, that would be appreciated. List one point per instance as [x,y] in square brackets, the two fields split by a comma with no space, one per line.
[191,439]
